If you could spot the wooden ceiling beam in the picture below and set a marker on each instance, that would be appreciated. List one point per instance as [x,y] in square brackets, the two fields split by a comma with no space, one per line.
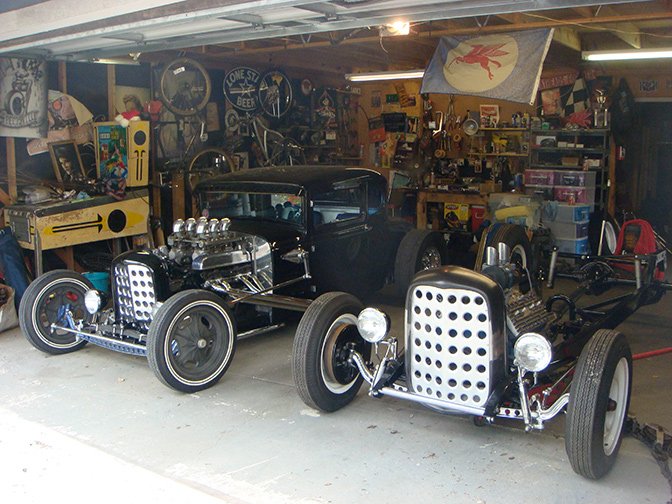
[488,29]
[628,32]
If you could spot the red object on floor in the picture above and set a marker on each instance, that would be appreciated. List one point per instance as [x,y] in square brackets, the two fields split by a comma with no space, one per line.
[652,353]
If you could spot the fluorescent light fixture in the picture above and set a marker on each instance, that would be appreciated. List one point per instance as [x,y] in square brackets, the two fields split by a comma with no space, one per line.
[378,76]
[634,54]
[115,61]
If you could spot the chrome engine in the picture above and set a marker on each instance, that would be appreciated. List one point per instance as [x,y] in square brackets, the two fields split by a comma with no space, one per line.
[228,261]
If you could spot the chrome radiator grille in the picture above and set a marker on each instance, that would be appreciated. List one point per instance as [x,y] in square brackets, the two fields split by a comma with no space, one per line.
[449,345]
[134,284]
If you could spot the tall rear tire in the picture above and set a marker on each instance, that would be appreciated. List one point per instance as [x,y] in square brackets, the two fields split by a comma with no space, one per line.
[598,404]
[420,249]
[325,377]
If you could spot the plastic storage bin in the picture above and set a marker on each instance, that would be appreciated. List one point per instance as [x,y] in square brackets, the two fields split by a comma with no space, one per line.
[575,178]
[568,230]
[539,177]
[578,246]
[572,194]
[572,213]
[545,191]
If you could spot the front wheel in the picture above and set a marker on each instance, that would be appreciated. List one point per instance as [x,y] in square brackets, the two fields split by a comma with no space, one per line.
[598,404]
[419,250]
[325,377]
[47,301]
[191,341]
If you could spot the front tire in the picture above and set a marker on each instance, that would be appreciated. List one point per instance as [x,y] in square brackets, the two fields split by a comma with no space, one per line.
[419,250]
[325,377]
[45,302]
[598,404]
[191,341]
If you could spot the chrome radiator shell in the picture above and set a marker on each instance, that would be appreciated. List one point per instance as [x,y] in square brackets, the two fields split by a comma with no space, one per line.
[455,336]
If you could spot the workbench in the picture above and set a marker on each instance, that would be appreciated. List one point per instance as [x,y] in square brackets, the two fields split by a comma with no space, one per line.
[437,196]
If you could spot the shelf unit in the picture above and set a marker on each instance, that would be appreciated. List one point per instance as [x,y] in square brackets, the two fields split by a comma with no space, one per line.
[563,150]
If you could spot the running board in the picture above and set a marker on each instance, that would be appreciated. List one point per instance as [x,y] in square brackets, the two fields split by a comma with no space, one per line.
[106,342]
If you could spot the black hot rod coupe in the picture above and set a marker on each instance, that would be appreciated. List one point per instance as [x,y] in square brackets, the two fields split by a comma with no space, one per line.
[483,343]
[268,241]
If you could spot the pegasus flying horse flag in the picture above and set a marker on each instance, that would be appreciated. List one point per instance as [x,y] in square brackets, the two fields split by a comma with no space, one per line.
[505,66]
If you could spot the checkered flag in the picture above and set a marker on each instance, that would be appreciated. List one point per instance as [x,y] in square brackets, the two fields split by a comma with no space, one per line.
[577,101]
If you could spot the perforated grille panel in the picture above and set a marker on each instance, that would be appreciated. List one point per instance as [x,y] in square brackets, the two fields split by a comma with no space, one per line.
[449,345]
[135,291]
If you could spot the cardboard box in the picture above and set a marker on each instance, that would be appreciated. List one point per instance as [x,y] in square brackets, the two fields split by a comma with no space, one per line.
[461,210]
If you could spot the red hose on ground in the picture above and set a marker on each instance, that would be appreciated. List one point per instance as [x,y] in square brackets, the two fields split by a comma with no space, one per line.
[653,353]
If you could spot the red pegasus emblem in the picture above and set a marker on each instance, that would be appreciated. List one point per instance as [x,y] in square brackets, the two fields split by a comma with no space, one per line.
[483,56]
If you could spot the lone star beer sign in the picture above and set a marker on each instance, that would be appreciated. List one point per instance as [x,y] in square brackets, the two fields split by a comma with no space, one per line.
[240,88]
[505,67]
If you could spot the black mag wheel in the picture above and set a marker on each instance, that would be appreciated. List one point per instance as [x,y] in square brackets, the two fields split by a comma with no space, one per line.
[191,341]
[47,300]
[325,377]
[419,250]
[208,163]
[275,93]
[185,87]
[598,404]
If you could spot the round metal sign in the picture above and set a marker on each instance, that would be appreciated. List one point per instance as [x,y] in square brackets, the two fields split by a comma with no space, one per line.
[240,88]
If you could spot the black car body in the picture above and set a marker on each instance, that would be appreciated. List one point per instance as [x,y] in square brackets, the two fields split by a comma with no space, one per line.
[268,241]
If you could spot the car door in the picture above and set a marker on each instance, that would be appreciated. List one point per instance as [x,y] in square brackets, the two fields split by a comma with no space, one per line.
[341,238]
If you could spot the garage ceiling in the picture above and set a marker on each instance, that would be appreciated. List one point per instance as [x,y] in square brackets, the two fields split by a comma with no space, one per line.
[331,36]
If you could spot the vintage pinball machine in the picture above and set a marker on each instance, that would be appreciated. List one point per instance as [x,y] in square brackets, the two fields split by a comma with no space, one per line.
[120,152]
[49,225]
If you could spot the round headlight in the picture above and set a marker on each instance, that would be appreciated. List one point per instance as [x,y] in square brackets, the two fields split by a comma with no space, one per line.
[372,325]
[533,352]
[93,300]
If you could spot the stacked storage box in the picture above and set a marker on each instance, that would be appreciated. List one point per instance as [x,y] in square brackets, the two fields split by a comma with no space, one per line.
[570,228]
[567,186]
[575,192]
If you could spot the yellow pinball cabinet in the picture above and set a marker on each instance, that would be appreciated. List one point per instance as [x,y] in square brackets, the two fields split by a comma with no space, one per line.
[50,225]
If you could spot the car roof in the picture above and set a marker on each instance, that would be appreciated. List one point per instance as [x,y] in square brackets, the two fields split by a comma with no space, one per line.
[312,178]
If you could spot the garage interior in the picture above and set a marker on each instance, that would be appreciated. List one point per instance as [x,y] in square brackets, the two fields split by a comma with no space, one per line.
[250,438]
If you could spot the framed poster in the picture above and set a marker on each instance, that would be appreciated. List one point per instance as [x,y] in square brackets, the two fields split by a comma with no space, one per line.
[66,161]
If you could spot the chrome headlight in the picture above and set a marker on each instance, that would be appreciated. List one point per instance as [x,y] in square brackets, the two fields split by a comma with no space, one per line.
[373,325]
[532,352]
[94,300]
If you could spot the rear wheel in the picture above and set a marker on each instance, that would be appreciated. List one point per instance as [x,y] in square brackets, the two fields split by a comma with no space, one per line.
[325,377]
[191,341]
[419,250]
[598,404]
[46,301]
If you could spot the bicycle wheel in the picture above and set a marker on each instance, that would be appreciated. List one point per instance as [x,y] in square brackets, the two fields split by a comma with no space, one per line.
[287,152]
[207,164]
[185,87]
[275,93]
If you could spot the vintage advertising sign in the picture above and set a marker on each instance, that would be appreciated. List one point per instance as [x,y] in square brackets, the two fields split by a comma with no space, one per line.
[240,88]
[23,98]
[503,66]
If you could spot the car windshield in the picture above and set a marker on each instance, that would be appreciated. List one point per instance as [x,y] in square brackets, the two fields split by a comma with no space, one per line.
[256,205]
